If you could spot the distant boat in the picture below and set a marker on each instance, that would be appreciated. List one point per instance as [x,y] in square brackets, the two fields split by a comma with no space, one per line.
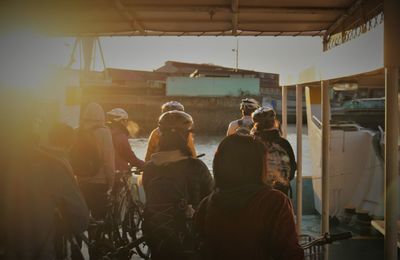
[367,112]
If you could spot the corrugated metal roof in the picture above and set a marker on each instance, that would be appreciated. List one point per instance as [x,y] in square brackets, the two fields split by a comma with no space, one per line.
[190,17]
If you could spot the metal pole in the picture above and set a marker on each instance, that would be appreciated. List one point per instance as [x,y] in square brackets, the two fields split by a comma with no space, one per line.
[325,155]
[284,111]
[237,54]
[299,180]
[391,162]
[392,65]
[87,47]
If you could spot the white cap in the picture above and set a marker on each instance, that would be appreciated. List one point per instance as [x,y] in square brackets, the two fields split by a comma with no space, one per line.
[118,114]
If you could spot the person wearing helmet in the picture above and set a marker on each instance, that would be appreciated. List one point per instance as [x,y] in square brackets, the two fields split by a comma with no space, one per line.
[244,124]
[125,158]
[154,137]
[174,183]
[281,163]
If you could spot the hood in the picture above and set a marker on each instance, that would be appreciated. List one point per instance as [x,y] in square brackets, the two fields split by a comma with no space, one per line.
[237,198]
[167,157]
[93,116]
[268,134]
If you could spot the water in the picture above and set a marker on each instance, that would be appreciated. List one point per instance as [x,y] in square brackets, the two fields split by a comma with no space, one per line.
[208,145]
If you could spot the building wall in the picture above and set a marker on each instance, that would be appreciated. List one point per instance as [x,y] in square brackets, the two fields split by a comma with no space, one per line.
[211,114]
[212,87]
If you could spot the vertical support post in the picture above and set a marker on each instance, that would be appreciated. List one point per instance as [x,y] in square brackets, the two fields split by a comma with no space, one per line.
[325,154]
[391,161]
[284,111]
[392,64]
[326,129]
[87,46]
[299,178]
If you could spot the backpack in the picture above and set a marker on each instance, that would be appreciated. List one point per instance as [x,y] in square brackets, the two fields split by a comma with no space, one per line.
[85,156]
[278,167]
[167,215]
[244,129]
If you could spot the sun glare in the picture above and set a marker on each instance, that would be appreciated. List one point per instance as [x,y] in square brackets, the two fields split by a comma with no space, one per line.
[26,58]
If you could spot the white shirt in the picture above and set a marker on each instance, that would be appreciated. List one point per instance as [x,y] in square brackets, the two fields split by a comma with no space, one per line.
[235,124]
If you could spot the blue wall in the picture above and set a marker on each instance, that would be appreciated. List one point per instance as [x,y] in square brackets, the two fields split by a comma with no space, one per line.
[212,86]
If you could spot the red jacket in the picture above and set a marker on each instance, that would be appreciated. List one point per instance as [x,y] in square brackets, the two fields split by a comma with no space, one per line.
[248,225]
[123,150]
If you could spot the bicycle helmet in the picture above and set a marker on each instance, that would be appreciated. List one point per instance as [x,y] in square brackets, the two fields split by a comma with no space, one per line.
[175,121]
[171,106]
[249,104]
[264,115]
[118,114]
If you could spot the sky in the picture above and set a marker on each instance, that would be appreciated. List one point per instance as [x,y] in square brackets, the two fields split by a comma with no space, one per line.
[28,53]
[25,50]
[268,54]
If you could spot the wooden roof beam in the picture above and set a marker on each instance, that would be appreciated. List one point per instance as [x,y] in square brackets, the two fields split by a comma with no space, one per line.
[243,9]
[342,19]
[129,16]
[235,14]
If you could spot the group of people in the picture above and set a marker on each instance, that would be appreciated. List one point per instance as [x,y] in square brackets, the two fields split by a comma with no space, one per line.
[242,211]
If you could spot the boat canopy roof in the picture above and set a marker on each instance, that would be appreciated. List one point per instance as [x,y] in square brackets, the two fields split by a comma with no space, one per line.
[192,17]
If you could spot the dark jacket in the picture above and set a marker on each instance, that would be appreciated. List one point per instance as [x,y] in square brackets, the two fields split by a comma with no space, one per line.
[123,151]
[249,222]
[40,187]
[184,170]
[172,181]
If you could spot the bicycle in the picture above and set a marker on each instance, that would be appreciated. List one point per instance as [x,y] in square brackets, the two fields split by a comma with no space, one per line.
[313,247]
[130,210]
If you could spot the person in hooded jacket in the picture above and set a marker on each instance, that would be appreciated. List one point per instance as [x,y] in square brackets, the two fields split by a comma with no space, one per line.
[37,188]
[244,218]
[281,163]
[154,137]
[125,158]
[174,184]
[96,188]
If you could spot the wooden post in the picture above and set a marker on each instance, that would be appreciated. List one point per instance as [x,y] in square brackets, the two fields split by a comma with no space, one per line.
[392,65]
[325,155]
[284,111]
[325,160]
[299,132]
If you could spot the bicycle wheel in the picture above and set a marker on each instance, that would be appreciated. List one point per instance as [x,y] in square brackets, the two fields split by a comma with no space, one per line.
[134,227]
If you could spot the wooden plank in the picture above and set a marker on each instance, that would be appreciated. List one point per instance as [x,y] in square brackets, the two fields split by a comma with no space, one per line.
[380,226]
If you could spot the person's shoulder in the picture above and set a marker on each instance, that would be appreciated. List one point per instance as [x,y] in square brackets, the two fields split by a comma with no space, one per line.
[269,194]
[51,161]
[197,163]
[234,122]
[156,131]
[285,143]
[102,132]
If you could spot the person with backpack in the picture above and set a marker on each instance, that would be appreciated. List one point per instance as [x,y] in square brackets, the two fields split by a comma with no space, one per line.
[281,163]
[174,184]
[244,218]
[37,188]
[244,124]
[92,159]
[125,158]
[154,137]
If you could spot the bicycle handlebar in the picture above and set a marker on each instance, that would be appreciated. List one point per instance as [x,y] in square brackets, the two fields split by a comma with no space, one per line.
[341,236]
[327,239]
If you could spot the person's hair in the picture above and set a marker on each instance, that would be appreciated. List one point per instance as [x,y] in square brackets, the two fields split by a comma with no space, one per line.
[247,112]
[239,160]
[61,135]
[174,140]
